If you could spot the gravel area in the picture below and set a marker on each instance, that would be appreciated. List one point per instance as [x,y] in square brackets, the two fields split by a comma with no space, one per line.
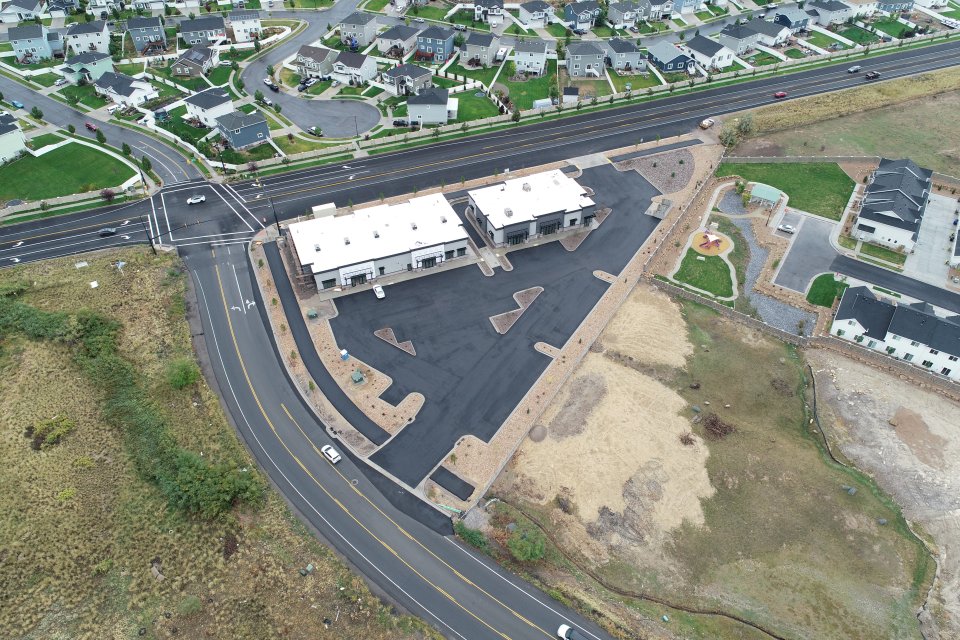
[772,311]
[731,203]
[669,172]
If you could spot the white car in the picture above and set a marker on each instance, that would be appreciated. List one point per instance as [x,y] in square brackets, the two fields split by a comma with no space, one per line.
[60,82]
[786,228]
[707,123]
[378,291]
[196,199]
[569,633]
[268,81]
[330,454]
[854,69]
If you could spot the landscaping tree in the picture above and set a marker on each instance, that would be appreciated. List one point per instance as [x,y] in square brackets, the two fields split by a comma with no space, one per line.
[145,163]
[234,65]
[270,70]
[728,137]
[1,95]
[108,195]
[277,108]
[554,93]
[239,83]
[527,543]
[290,137]
[258,95]
[516,115]
[36,113]
[72,129]
[256,46]
[100,137]
[745,126]
[459,41]
[126,149]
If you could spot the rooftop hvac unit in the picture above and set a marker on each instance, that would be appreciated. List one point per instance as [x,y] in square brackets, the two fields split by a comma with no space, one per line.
[346,240]
[413,225]
[443,219]
[508,212]
[526,186]
[376,234]
[316,247]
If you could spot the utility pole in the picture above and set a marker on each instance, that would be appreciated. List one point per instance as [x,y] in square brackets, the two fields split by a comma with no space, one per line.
[146,232]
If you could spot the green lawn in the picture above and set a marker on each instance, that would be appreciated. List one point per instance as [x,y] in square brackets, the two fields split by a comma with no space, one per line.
[307,4]
[194,84]
[718,11]
[46,79]
[604,31]
[891,27]
[319,87]
[704,15]
[709,273]
[447,83]
[821,188]
[237,54]
[220,75]
[483,74]
[5,46]
[796,54]
[887,255]
[347,90]
[679,22]
[429,12]
[247,108]
[130,69]
[761,58]
[588,88]
[376,5]
[514,30]
[178,127]
[652,27]
[465,18]
[260,152]
[299,145]
[42,64]
[824,290]
[44,140]
[522,94]
[372,92]
[557,30]
[860,36]
[473,108]
[635,81]
[72,168]
[86,94]
[824,41]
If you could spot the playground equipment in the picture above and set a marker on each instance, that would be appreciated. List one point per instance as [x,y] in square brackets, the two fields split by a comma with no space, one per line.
[710,240]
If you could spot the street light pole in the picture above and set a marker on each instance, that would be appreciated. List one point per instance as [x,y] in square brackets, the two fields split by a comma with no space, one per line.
[146,232]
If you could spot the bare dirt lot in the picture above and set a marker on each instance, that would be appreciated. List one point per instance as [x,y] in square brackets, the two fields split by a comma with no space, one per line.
[909,439]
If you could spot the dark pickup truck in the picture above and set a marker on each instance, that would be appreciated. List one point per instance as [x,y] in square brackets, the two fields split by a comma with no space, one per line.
[871,75]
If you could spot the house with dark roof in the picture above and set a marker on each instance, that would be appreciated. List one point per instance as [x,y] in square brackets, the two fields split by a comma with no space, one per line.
[88,36]
[242,130]
[314,62]
[669,59]
[89,66]
[431,106]
[488,11]
[34,42]
[61,8]
[892,209]
[708,53]
[895,6]
[16,11]
[434,44]
[583,14]
[828,12]
[407,79]
[625,56]
[203,30]
[570,95]
[770,34]
[397,41]
[658,9]
[208,105]
[195,62]
[245,25]
[621,15]
[585,60]
[359,28]
[12,142]
[147,34]
[354,68]
[913,333]
[103,8]
[792,18]
[535,13]
[530,56]
[480,49]
[739,38]
[124,90]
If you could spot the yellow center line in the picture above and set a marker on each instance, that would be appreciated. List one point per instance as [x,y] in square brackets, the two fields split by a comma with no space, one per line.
[263,412]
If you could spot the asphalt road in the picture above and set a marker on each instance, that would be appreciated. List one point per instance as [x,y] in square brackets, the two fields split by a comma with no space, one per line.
[167,163]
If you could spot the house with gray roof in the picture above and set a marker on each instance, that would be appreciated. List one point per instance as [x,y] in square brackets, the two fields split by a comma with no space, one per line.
[708,53]
[912,333]
[431,106]
[147,34]
[479,49]
[488,11]
[208,105]
[829,12]
[621,15]
[535,13]
[583,14]
[34,42]
[88,36]
[196,62]
[530,56]
[894,203]
[585,60]
[314,62]
[359,27]
[407,79]
[770,34]
[16,11]
[89,66]
[245,25]
[669,59]
[203,30]
[354,68]
[739,38]
[657,10]
[792,18]
[434,44]
[624,56]
[12,142]
[124,90]
[397,41]
[242,130]
[61,8]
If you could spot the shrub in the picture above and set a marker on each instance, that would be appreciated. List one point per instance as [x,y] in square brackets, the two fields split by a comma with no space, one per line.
[473,537]
[527,543]
[182,372]
[48,433]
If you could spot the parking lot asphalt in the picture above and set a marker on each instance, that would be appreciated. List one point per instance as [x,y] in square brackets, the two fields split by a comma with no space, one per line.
[887,279]
[471,376]
[810,253]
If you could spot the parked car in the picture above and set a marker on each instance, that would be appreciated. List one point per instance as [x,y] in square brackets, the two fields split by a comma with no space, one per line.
[274,87]
[16,104]
[780,95]
[633,29]
[378,291]
[871,75]
[268,81]
[330,454]
[301,87]
[580,32]
[459,27]
[107,231]
[268,102]
[854,69]
[317,131]
[311,81]
[786,228]
[60,82]
[707,123]
[419,20]
[196,199]
[90,126]
[399,123]
[335,83]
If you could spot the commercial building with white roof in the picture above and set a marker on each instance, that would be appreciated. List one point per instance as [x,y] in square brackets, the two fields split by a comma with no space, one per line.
[524,208]
[354,249]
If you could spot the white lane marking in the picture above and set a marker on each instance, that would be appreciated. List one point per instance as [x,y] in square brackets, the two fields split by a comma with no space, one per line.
[239,290]
[236,213]
[216,235]
[48,227]
[241,203]
[18,244]
[71,246]
[234,191]
[144,147]
[163,206]
[253,433]
[175,163]
[212,243]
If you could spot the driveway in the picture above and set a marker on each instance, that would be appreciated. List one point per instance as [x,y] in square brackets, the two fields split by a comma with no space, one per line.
[810,252]
[928,262]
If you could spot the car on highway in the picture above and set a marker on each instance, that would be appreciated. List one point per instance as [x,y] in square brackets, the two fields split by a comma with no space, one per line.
[569,633]
[90,126]
[854,69]
[707,123]
[16,104]
[780,95]
[196,199]
[378,291]
[871,75]
[107,231]
[330,454]
[787,228]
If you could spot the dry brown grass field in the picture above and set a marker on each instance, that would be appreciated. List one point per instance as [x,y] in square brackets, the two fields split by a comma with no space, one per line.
[79,529]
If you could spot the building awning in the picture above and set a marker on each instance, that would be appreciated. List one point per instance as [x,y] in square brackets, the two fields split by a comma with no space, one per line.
[765,192]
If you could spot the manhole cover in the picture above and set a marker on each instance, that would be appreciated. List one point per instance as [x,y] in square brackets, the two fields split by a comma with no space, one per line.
[538,433]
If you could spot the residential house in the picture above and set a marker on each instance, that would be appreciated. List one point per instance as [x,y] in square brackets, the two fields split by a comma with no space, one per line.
[62,8]
[829,12]
[913,333]
[621,15]
[397,41]
[624,56]
[149,6]
[196,62]
[147,35]
[245,25]
[585,60]
[358,27]
[12,142]
[89,66]
[488,11]
[34,42]
[203,30]
[435,44]
[770,34]
[314,62]
[530,56]
[431,106]
[407,79]
[894,203]
[668,58]
[895,6]
[688,6]
[708,53]
[792,18]
[535,13]
[479,49]
[242,130]
[863,8]
[208,105]
[739,38]
[582,14]
[354,68]
[88,36]
[656,9]
[103,8]
[124,90]
[16,11]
